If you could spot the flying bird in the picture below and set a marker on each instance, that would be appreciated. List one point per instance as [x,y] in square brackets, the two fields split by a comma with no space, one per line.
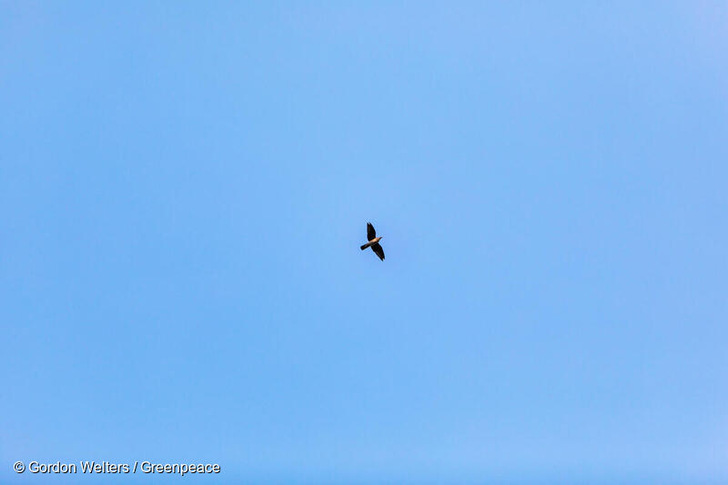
[373,241]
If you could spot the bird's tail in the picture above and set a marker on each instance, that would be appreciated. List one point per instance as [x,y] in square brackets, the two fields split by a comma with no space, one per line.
[365,246]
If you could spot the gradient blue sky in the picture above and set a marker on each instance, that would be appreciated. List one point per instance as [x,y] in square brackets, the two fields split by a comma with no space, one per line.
[184,187]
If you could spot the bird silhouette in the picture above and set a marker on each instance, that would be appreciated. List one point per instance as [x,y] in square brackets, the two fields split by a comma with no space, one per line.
[373,242]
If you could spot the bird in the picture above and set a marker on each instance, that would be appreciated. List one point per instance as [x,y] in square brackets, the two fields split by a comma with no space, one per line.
[373,241]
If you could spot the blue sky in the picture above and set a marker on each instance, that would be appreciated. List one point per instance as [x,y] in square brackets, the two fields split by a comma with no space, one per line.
[184,189]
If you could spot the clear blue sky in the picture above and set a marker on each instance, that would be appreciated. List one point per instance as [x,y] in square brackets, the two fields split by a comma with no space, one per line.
[184,187]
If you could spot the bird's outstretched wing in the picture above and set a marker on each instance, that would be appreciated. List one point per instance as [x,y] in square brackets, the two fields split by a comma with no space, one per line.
[371,233]
[377,248]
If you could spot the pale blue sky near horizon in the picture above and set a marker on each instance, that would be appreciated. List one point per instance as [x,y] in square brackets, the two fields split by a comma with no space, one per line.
[184,188]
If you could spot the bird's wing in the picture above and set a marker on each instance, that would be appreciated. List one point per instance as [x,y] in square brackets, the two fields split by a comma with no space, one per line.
[371,233]
[377,248]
